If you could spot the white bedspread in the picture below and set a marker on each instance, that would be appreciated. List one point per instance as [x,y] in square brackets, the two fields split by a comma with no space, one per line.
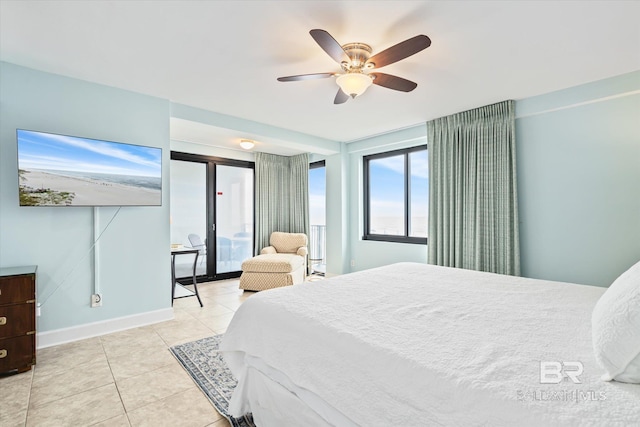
[415,345]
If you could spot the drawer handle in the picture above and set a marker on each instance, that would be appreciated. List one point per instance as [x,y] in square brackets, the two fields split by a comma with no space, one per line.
[3,320]
[3,353]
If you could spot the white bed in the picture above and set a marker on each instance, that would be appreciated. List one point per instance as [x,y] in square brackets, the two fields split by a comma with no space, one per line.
[414,345]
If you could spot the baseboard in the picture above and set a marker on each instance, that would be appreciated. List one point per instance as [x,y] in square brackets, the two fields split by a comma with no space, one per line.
[95,329]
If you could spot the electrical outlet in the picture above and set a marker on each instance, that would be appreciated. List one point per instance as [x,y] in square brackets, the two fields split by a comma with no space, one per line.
[353,263]
[96,300]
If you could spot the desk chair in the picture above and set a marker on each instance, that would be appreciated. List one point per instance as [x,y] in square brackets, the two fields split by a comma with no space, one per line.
[196,243]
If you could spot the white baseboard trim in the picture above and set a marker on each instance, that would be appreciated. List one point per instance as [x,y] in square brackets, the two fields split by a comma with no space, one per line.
[103,327]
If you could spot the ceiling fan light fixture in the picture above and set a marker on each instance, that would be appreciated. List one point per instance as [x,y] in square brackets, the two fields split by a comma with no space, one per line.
[354,84]
[247,144]
[356,61]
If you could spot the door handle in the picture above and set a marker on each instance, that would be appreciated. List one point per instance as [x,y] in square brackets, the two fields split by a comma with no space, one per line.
[3,353]
[3,320]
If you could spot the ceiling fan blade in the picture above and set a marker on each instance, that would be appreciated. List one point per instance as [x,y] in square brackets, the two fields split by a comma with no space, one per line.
[393,82]
[400,51]
[329,45]
[305,77]
[341,97]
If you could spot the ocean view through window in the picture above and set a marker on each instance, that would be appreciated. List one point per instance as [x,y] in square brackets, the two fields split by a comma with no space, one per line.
[396,195]
[317,217]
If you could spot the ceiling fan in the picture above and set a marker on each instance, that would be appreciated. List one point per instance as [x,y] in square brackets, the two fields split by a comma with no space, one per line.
[356,60]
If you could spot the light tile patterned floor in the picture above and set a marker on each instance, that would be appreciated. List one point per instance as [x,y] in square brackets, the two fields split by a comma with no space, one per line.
[128,378]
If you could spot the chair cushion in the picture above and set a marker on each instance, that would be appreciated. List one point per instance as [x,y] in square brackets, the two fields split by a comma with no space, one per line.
[273,263]
[287,242]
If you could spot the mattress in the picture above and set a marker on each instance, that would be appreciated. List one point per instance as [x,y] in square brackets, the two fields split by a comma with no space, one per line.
[414,344]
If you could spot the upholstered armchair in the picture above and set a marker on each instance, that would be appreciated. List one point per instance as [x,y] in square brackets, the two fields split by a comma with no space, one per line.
[283,263]
[287,243]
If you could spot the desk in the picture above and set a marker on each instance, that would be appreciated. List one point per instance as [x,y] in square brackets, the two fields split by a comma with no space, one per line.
[182,291]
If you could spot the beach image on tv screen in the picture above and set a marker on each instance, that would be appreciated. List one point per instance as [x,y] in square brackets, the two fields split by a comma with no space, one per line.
[59,170]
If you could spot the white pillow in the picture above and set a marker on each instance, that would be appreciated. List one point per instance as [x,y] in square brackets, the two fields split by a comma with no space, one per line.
[615,329]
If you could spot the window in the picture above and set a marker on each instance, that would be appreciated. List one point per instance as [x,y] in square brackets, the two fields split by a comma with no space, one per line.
[317,216]
[396,196]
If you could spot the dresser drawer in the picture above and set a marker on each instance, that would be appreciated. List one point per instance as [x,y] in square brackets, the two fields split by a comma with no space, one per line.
[17,289]
[16,320]
[17,353]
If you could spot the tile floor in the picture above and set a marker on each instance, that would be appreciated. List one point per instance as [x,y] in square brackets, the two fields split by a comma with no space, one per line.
[128,378]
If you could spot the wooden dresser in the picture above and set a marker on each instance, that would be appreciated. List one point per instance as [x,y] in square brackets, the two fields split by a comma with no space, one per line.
[17,318]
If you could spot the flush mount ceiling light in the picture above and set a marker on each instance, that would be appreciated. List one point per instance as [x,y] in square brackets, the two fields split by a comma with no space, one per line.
[247,144]
[358,65]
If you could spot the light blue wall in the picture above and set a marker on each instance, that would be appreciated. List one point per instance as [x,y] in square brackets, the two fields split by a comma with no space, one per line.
[365,254]
[337,206]
[134,250]
[578,159]
[578,164]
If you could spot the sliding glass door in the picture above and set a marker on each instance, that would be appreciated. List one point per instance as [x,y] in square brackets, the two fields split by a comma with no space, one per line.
[188,218]
[234,217]
[211,210]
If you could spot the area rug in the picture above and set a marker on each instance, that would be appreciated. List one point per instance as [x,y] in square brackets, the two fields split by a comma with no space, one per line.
[204,362]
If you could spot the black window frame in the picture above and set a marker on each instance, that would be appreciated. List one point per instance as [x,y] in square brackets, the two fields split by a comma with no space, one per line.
[318,164]
[211,163]
[407,193]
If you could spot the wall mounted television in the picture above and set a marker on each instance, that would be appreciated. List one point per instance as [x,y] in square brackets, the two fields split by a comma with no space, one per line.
[61,170]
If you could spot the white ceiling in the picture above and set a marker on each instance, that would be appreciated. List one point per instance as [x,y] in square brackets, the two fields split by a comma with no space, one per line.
[225,56]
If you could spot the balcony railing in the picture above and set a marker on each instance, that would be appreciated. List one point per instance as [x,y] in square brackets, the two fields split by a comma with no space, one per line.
[317,246]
